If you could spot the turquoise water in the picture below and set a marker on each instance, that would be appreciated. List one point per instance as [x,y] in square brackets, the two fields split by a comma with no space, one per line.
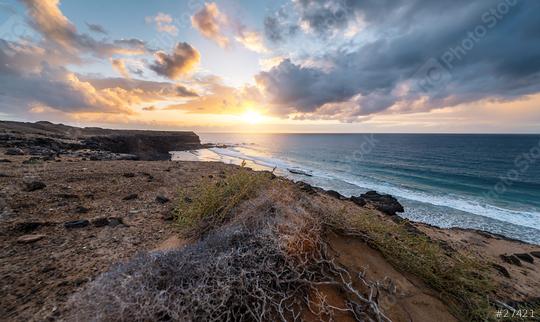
[488,182]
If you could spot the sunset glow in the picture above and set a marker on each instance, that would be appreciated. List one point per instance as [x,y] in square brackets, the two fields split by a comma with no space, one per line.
[215,66]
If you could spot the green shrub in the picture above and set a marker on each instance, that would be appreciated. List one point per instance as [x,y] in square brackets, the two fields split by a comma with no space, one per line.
[461,281]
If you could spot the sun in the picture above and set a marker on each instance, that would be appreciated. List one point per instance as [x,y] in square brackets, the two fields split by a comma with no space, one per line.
[252,117]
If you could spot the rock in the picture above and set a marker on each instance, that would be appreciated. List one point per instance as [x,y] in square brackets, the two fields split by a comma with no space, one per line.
[5,161]
[27,239]
[511,259]
[384,203]
[26,227]
[503,271]
[33,186]
[306,187]
[525,257]
[131,197]
[67,196]
[188,200]
[76,224]
[335,194]
[359,201]
[129,175]
[168,216]
[81,210]
[14,151]
[100,222]
[162,199]
[536,254]
[115,221]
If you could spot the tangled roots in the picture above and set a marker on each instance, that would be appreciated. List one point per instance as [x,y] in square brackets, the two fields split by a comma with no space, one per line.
[234,274]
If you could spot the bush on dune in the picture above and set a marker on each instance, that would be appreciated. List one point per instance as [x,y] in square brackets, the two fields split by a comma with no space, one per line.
[237,273]
[211,203]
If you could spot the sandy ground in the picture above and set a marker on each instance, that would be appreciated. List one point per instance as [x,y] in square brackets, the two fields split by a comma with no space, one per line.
[42,262]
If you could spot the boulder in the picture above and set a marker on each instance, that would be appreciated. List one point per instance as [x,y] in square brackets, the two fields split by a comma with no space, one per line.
[162,199]
[33,186]
[76,224]
[100,222]
[359,201]
[131,197]
[511,259]
[384,203]
[335,194]
[14,151]
[525,257]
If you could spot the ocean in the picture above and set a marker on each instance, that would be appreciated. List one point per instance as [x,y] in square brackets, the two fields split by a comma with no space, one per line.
[487,182]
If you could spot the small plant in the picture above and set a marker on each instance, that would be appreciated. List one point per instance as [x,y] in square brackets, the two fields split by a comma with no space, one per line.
[460,280]
[211,203]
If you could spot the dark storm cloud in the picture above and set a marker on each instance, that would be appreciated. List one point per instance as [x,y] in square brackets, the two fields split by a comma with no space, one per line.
[440,53]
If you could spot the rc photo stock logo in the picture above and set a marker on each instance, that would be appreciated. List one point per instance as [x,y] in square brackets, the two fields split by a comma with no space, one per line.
[432,76]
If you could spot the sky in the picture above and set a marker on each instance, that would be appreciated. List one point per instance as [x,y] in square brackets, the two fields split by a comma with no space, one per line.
[395,66]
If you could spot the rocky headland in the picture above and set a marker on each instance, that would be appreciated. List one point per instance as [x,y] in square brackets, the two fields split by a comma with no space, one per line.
[47,139]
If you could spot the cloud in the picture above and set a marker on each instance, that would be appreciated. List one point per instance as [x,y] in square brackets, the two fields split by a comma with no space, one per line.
[277,28]
[390,70]
[183,60]
[164,23]
[252,40]
[59,33]
[120,66]
[97,28]
[185,92]
[209,21]
[218,98]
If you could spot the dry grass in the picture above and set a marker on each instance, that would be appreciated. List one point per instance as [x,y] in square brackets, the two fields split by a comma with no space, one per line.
[211,203]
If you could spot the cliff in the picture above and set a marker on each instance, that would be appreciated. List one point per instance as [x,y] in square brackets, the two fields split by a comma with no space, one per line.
[49,139]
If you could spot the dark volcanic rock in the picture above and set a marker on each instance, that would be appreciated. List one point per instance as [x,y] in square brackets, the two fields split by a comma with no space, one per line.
[359,201]
[525,257]
[14,151]
[114,221]
[503,271]
[27,227]
[81,210]
[306,187]
[384,203]
[129,174]
[162,199]
[33,186]
[76,224]
[131,197]
[536,254]
[335,194]
[511,259]
[5,161]
[100,222]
